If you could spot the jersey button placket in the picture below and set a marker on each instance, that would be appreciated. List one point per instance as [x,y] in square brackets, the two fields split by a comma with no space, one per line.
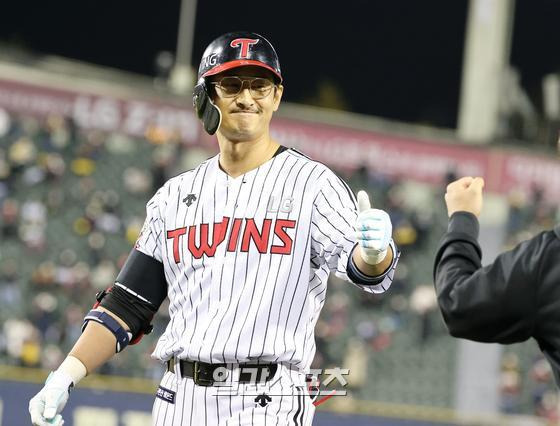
[234,187]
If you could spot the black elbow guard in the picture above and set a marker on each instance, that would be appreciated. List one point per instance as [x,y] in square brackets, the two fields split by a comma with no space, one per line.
[136,313]
[138,293]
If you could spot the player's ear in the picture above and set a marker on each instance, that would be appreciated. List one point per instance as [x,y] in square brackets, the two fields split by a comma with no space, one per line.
[278,90]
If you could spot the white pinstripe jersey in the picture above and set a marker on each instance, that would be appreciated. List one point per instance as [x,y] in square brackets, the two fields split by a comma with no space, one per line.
[247,259]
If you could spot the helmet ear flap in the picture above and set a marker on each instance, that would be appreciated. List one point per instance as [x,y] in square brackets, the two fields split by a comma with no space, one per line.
[206,110]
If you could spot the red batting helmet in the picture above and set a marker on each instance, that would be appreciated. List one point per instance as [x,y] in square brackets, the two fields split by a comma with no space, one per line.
[238,49]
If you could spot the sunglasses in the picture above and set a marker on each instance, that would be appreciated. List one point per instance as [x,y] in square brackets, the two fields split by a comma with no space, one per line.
[231,86]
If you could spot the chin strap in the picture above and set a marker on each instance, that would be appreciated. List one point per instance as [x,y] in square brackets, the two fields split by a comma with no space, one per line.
[209,113]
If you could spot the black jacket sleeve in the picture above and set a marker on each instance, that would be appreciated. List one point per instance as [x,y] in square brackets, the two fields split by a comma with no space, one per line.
[495,303]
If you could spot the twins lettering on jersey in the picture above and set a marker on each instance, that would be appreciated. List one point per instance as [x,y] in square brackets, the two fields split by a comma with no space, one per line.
[244,230]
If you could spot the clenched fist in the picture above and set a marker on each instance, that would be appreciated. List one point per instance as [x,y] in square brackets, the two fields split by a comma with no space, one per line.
[465,195]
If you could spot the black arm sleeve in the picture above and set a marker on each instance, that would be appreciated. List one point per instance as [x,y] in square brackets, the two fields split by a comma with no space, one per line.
[144,276]
[496,303]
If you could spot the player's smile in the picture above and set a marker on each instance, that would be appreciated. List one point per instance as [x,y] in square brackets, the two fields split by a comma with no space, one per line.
[244,115]
[245,112]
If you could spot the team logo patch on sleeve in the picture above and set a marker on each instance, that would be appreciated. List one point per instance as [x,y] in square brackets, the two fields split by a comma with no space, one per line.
[165,394]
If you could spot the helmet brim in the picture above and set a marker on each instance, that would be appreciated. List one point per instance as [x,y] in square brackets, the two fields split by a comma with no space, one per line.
[240,63]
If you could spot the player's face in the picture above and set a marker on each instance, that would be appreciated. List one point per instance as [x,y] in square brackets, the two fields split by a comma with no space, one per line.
[246,115]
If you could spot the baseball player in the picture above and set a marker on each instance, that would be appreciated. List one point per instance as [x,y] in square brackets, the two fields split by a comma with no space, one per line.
[511,300]
[242,246]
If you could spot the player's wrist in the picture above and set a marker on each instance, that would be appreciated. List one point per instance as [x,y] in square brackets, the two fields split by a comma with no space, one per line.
[72,370]
[373,257]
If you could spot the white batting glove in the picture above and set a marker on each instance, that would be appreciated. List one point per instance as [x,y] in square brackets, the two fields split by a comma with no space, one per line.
[45,407]
[50,401]
[373,231]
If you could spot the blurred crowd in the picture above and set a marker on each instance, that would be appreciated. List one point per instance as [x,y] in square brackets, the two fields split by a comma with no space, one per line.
[71,207]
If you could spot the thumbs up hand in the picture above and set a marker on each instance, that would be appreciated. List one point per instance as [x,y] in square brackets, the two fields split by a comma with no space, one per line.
[373,231]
